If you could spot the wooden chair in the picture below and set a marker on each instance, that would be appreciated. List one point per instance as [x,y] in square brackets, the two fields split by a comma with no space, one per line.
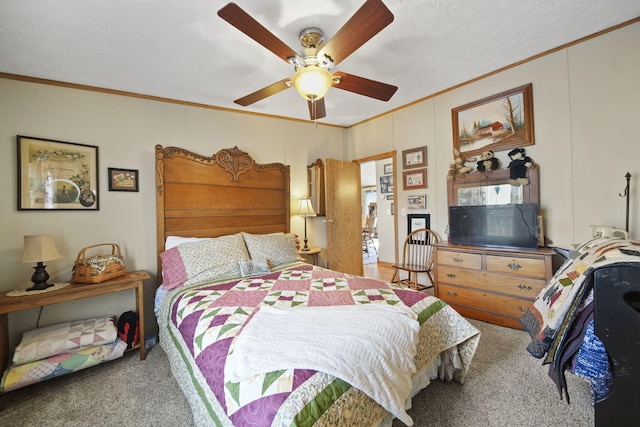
[417,257]
[368,234]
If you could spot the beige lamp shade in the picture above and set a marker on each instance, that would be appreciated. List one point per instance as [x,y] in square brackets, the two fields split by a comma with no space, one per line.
[39,248]
[312,82]
[305,208]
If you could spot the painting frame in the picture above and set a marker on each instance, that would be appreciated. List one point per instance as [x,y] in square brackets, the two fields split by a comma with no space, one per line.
[418,201]
[123,179]
[388,169]
[414,179]
[57,175]
[516,104]
[417,221]
[386,184]
[414,158]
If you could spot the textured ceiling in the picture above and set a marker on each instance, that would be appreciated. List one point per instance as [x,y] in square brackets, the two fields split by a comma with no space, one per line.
[183,51]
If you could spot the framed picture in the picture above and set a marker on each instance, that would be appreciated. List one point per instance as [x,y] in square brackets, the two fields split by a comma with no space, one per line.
[388,169]
[499,122]
[417,202]
[414,158]
[122,179]
[386,184]
[417,221]
[389,196]
[414,179]
[57,175]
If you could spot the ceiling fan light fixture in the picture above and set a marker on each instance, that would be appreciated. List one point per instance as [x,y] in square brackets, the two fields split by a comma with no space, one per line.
[312,82]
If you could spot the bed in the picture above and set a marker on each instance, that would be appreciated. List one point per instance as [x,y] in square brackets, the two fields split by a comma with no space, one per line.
[245,323]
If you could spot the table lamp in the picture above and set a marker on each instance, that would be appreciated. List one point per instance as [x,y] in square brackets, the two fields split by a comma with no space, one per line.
[305,209]
[39,248]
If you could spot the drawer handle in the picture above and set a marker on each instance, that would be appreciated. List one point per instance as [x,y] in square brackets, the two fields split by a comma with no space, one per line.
[456,259]
[452,294]
[451,275]
[525,288]
[514,266]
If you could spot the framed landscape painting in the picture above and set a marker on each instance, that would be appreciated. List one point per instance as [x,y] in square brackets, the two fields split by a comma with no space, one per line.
[499,122]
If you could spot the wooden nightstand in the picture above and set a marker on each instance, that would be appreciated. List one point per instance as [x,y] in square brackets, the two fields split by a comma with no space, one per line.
[74,291]
[313,252]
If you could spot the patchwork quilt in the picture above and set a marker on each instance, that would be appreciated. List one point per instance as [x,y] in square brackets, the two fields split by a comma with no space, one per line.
[560,319]
[199,326]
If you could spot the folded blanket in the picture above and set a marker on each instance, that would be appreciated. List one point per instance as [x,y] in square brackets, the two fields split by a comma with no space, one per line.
[370,346]
[63,338]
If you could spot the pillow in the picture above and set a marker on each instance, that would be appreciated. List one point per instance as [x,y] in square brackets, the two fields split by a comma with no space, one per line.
[253,267]
[64,338]
[203,260]
[173,241]
[277,249]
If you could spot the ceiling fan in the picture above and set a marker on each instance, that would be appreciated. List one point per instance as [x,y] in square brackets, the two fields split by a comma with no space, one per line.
[312,78]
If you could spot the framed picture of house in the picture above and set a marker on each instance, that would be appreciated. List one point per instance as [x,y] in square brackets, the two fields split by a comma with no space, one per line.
[414,158]
[414,179]
[498,122]
[417,202]
[56,175]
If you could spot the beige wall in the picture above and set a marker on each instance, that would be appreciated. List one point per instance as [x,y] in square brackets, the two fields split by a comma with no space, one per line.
[586,108]
[126,131]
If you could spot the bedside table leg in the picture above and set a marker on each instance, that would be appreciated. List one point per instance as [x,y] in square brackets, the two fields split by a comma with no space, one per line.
[4,342]
[140,310]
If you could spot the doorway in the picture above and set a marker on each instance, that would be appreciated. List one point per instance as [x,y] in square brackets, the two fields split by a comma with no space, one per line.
[378,199]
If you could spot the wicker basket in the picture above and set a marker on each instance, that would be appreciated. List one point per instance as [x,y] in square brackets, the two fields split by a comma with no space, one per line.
[99,268]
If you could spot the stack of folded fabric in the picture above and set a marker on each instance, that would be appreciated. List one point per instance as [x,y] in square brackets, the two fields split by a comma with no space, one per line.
[60,349]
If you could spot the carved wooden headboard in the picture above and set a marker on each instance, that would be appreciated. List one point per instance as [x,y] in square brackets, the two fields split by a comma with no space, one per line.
[199,196]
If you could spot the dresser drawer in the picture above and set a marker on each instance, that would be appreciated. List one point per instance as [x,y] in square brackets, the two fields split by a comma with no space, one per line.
[530,267]
[521,287]
[460,259]
[504,305]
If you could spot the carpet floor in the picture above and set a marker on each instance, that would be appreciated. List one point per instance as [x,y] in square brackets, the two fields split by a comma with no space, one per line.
[505,386]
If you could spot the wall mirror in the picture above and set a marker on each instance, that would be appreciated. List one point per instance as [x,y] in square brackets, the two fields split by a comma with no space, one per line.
[492,188]
[315,178]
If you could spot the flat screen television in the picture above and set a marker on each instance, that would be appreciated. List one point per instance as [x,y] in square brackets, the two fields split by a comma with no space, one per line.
[509,226]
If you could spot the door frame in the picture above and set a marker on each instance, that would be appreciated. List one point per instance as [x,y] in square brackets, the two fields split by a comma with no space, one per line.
[384,156]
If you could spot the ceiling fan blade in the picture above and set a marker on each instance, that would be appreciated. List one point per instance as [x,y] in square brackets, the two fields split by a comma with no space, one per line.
[368,21]
[264,92]
[240,19]
[316,109]
[362,86]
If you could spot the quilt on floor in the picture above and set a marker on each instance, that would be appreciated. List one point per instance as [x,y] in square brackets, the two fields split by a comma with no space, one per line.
[198,325]
[558,319]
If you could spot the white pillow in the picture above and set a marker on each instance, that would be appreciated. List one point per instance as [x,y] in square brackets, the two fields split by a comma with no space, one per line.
[173,241]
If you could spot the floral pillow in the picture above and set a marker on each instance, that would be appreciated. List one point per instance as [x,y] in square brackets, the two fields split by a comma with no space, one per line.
[276,249]
[203,260]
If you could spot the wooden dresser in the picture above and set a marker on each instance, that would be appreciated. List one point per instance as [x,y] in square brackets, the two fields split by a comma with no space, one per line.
[493,285]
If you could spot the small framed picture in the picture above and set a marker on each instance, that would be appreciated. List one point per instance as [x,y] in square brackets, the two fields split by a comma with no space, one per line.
[414,179]
[386,184]
[416,222]
[414,158]
[388,169]
[123,179]
[389,196]
[417,202]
